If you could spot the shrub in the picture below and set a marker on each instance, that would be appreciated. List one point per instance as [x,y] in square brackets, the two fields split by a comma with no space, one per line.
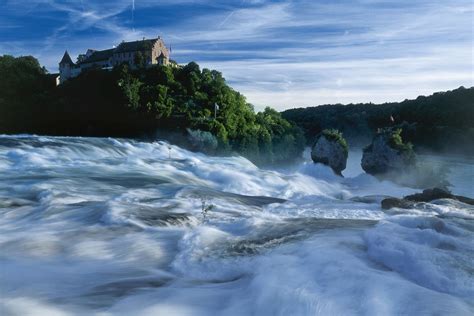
[335,135]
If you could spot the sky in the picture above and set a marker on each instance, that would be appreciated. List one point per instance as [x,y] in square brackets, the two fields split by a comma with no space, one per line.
[284,54]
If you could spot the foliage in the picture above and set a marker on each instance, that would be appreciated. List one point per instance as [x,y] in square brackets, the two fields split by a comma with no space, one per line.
[130,88]
[128,102]
[23,82]
[190,95]
[396,142]
[139,59]
[393,137]
[335,135]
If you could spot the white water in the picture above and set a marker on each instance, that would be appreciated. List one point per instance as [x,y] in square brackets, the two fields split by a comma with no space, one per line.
[115,227]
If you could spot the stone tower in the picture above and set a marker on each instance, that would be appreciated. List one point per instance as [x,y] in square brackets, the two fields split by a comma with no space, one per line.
[65,68]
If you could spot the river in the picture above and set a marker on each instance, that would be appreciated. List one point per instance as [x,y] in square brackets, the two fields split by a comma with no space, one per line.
[103,226]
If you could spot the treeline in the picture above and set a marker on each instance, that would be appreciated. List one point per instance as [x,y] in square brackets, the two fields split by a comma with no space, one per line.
[441,122]
[141,103]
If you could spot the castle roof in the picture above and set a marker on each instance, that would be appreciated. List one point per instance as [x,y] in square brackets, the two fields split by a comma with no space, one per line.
[162,55]
[66,59]
[104,55]
[136,46]
[99,55]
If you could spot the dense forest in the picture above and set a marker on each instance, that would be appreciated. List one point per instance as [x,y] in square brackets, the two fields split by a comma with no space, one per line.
[175,103]
[442,122]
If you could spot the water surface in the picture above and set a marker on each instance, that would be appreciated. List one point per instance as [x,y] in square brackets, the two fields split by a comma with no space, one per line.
[120,227]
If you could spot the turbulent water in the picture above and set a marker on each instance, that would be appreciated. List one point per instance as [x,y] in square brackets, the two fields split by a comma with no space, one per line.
[119,227]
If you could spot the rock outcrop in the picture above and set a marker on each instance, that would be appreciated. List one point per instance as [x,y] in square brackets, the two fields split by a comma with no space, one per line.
[331,149]
[392,202]
[387,153]
[427,195]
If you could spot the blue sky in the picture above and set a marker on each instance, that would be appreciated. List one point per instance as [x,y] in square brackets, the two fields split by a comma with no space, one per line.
[285,53]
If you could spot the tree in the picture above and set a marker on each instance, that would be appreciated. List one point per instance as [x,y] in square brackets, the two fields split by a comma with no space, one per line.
[131,88]
[137,102]
[139,60]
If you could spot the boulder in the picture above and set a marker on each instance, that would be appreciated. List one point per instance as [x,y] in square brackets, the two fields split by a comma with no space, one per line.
[331,149]
[426,196]
[389,203]
[387,153]
[429,195]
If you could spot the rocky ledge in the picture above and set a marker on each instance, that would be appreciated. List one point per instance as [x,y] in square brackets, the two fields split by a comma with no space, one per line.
[427,195]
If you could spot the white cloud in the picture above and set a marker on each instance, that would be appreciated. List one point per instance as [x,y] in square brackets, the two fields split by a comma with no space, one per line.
[287,84]
[290,53]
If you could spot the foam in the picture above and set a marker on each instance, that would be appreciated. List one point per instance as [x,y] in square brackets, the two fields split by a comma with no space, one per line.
[434,253]
[116,227]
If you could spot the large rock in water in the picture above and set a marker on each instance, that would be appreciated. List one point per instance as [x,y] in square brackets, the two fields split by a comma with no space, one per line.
[330,148]
[427,195]
[387,153]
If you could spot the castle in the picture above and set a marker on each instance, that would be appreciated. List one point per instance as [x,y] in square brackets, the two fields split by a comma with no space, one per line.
[146,52]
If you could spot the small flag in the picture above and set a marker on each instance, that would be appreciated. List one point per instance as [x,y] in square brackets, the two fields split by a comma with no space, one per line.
[216,106]
[392,119]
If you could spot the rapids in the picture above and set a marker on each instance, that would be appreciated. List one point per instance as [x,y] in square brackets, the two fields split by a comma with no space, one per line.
[102,226]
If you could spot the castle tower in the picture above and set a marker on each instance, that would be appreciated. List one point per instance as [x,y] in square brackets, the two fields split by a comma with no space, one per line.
[65,68]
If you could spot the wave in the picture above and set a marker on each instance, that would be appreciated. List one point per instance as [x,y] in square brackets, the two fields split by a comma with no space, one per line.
[118,226]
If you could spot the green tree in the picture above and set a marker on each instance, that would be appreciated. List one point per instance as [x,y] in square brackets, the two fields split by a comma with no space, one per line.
[139,60]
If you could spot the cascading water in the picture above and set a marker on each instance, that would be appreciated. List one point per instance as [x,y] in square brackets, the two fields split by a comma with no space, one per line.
[113,226]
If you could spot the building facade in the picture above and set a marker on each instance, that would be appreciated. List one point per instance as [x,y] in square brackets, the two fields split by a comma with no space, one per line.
[145,53]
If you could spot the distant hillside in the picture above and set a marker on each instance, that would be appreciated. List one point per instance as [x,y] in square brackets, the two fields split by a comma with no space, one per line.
[443,121]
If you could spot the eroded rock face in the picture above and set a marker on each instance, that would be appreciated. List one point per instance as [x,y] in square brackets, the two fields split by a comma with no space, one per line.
[329,152]
[382,156]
